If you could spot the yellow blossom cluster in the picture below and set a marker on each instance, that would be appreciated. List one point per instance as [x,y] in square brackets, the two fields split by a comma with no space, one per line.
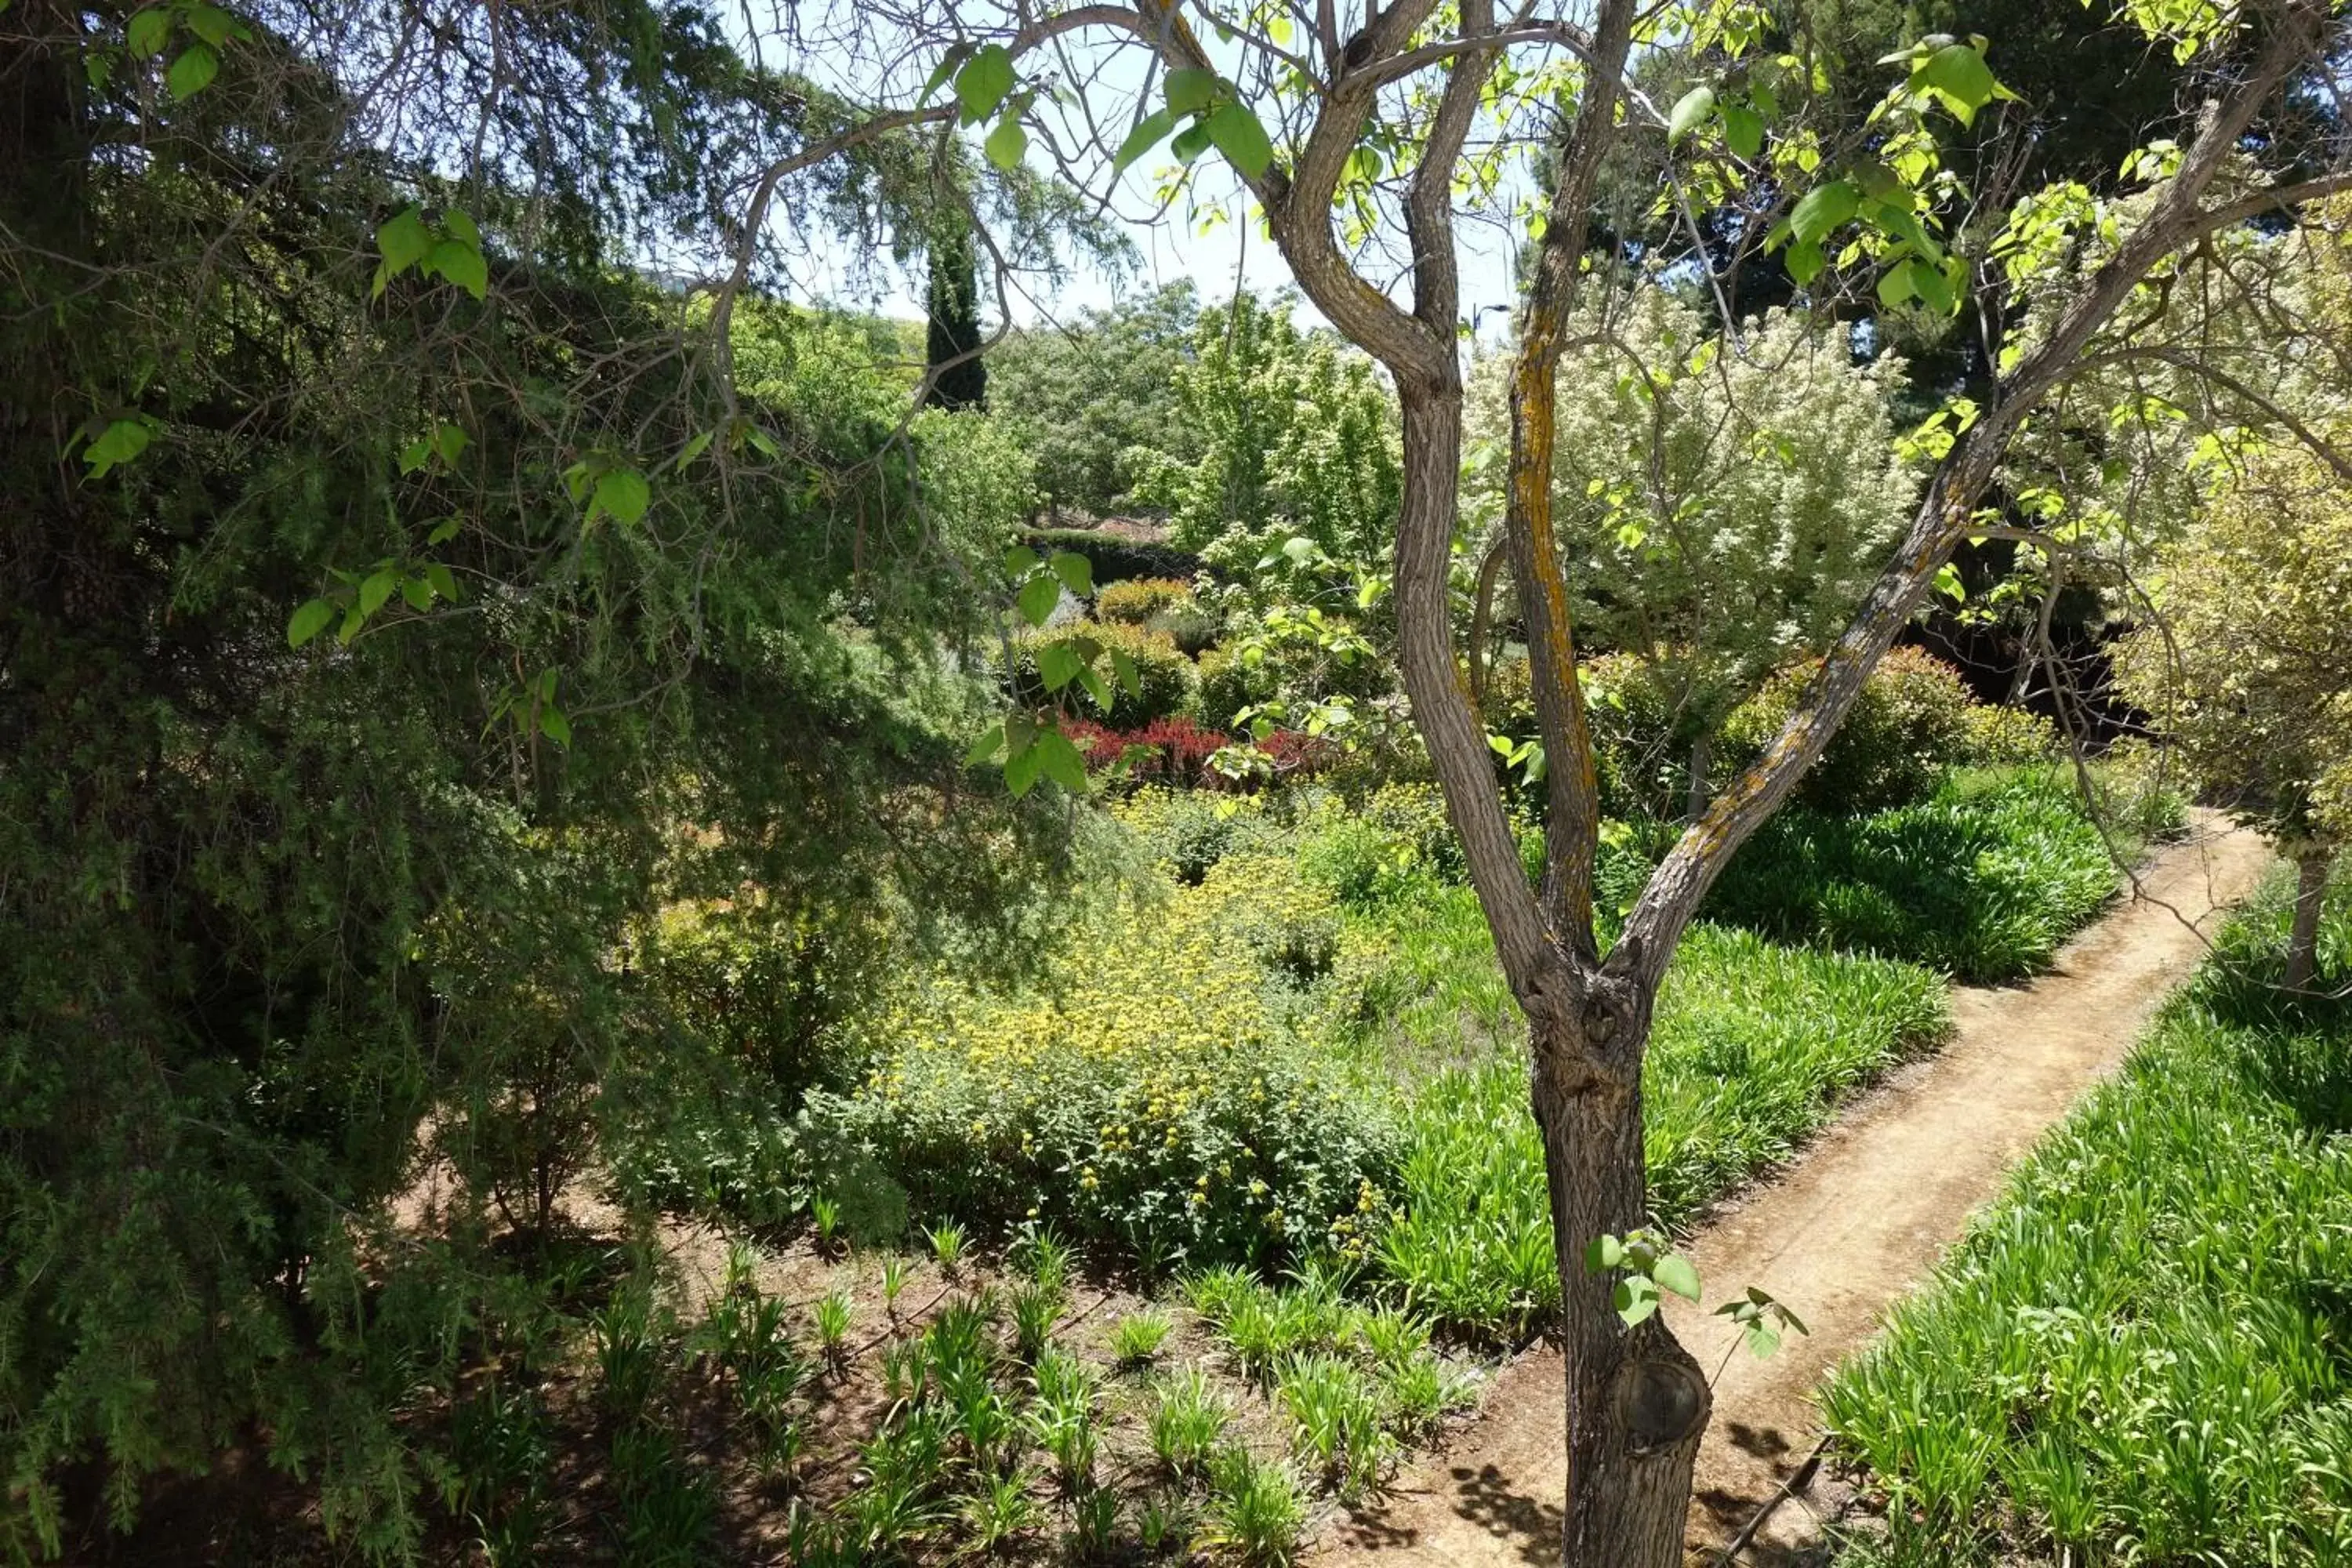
[1169,1086]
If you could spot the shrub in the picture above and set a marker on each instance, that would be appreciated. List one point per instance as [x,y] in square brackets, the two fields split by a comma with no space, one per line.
[1173,1104]
[1188,833]
[1168,682]
[1136,599]
[1228,685]
[1178,750]
[1191,625]
[1398,840]
[1114,559]
[1907,725]
[1641,735]
[1999,736]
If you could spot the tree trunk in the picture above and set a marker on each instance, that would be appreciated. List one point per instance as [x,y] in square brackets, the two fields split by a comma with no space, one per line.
[2310,893]
[1637,1402]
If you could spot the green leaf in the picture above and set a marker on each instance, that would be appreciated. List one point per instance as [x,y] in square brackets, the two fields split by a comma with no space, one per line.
[450,442]
[1948,584]
[1189,142]
[1761,1341]
[212,25]
[694,449]
[1602,1252]
[1895,220]
[458,227]
[991,741]
[1122,668]
[1097,687]
[983,81]
[117,443]
[1007,144]
[621,494]
[1191,91]
[555,726]
[149,31]
[1039,596]
[352,622]
[417,592]
[193,71]
[414,455]
[1057,665]
[1958,74]
[1636,1301]
[1019,560]
[1690,111]
[1743,129]
[442,582]
[1674,1272]
[1894,287]
[374,590]
[1240,137]
[1146,135]
[1078,574]
[941,72]
[1805,261]
[308,621]
[404,242]
[444,531]
[1061,761]
[461,264]
[1933,288]
[1021,769]
[1824,209]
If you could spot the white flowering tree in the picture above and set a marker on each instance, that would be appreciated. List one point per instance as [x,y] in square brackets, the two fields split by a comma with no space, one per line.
[1724,498]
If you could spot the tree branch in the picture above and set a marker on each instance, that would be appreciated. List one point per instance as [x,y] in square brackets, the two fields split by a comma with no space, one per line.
[1573,817]
[1682,879]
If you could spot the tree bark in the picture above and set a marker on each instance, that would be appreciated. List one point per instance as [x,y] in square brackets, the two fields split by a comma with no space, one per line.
[1637,1401]
[2310,893]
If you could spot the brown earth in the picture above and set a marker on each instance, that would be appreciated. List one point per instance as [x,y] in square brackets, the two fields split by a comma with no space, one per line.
[1843,1232]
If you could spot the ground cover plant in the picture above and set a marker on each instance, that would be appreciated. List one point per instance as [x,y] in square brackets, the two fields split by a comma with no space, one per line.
[1755,1046]
[1984,879]
[2140,1354]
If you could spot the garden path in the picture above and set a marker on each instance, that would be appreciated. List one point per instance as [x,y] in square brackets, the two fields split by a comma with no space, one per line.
[1842,1233]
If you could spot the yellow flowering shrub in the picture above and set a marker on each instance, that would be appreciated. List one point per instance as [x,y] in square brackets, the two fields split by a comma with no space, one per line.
[1173,1093]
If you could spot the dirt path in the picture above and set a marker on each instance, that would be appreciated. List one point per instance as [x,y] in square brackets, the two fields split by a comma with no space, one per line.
[1841,1234]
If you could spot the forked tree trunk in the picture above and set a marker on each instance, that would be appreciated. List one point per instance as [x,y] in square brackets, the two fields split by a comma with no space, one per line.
[2310,893]
[1637,1401]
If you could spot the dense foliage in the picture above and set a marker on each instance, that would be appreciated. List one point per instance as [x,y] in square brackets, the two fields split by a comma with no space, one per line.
[585,621]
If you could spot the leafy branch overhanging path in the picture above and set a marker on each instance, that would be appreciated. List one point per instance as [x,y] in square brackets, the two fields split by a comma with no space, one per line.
[1850,1226]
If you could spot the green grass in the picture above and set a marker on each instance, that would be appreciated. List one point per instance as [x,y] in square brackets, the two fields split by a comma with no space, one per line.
[1753,1046]
[2144,1353]
[1983,881]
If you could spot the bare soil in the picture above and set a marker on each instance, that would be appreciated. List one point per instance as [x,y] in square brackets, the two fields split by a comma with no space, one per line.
[1841,1234]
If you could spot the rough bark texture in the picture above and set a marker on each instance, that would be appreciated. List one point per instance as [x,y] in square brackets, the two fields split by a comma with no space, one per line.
[1637,1402]
[2310,893]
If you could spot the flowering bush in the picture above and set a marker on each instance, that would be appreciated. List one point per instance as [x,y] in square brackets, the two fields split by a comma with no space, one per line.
[1180,749]
[1139,599]
[1172,1100]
